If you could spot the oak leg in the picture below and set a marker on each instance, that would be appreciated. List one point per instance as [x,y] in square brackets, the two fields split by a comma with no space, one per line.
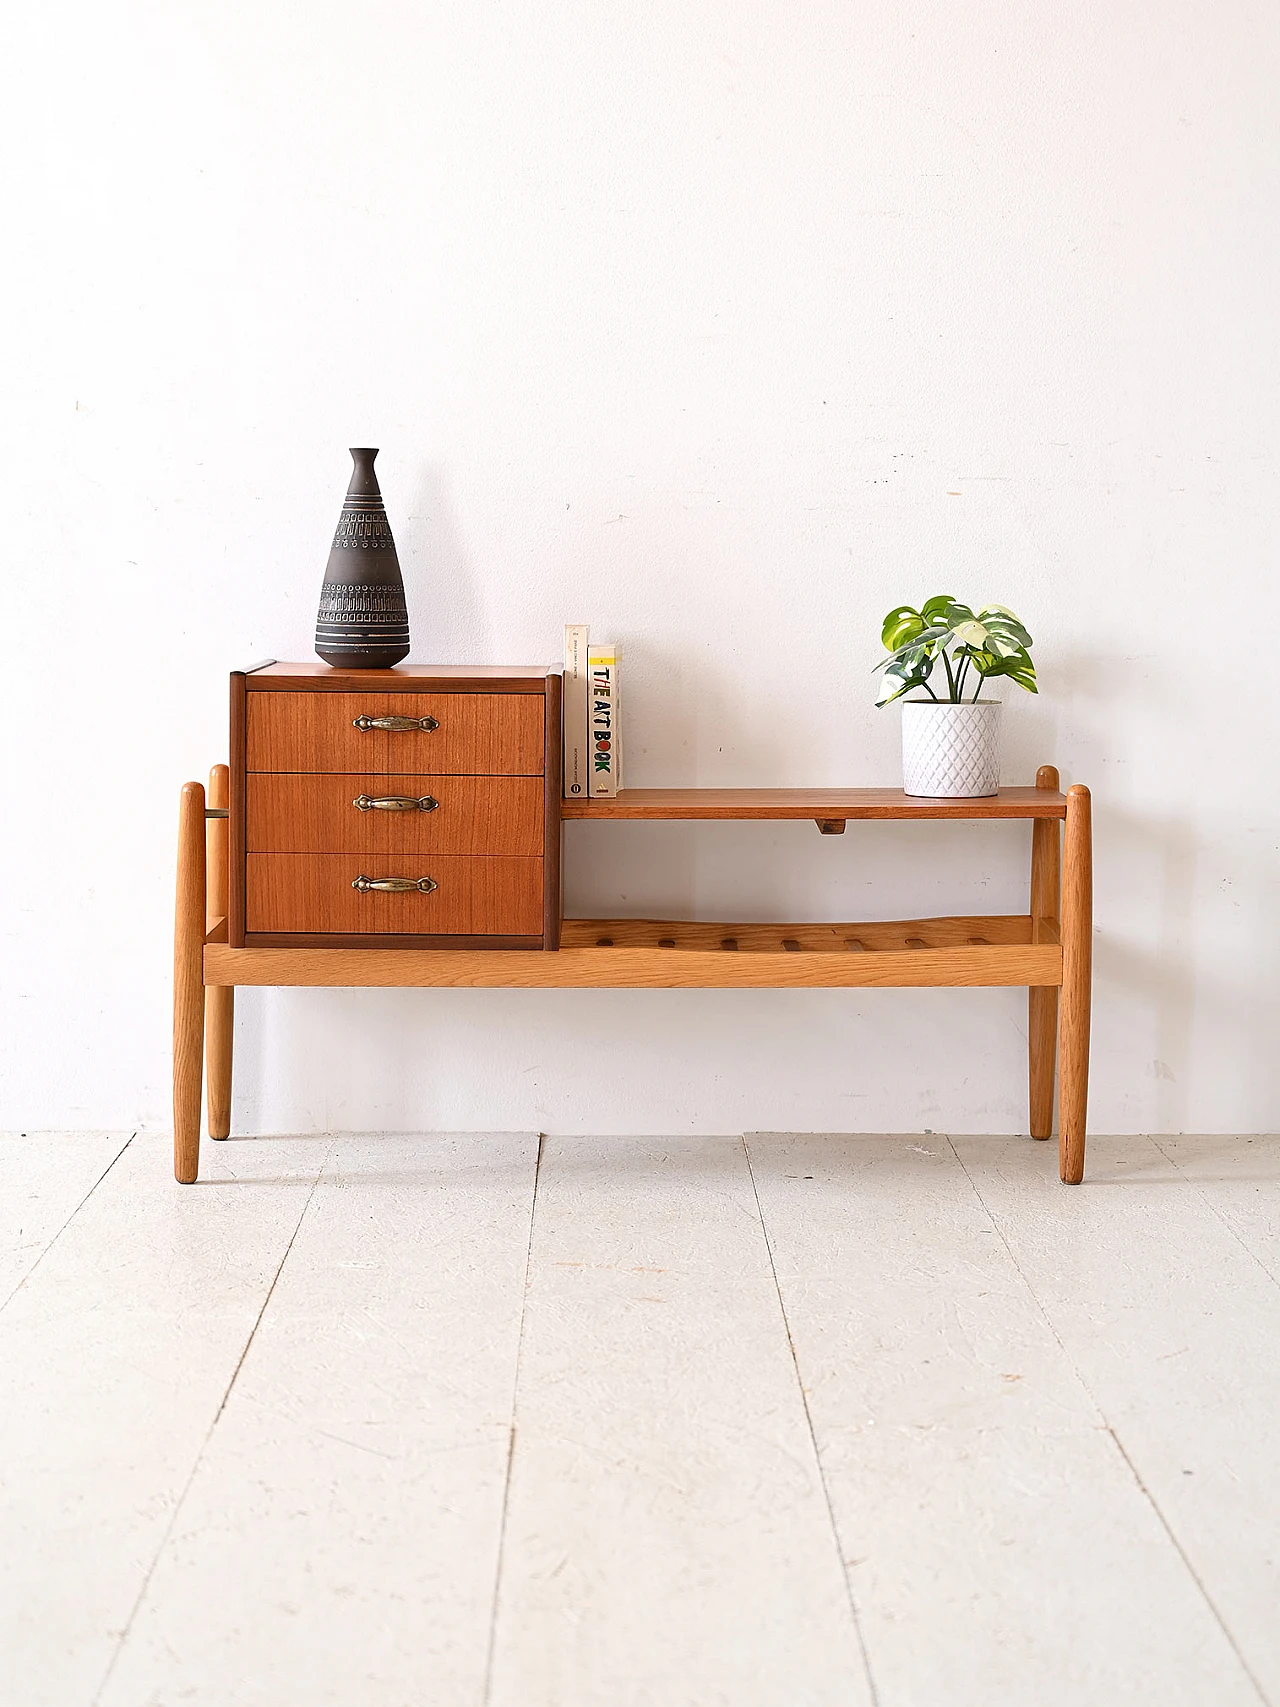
[219,1000]
[1077,977]
[188,984]
[1042,1000]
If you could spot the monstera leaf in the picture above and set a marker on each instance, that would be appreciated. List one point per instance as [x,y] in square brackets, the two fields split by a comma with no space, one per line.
[903,674]
[988,642]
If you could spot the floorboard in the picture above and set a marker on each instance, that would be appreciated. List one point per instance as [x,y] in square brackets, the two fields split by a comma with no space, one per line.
[1239,1179]
[999,1548]
[668,1542]
[339,1542]
[116,1355]
[1149,1279]
[373,1422]
[44,1179]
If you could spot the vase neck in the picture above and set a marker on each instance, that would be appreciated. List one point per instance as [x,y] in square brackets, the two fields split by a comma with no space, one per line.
[364,482]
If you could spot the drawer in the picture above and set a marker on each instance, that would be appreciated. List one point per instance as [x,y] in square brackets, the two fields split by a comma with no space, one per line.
[482,734]
[317,814]
[499,896]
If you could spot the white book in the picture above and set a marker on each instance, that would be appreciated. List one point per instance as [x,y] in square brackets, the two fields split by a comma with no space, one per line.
[605,722]
[575,711]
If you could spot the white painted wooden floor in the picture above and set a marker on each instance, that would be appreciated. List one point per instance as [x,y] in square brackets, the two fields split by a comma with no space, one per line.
[481,1422]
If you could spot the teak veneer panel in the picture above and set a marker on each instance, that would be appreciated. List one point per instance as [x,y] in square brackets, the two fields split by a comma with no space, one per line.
[830,804]
[498,895]
[316,814]
[495,734]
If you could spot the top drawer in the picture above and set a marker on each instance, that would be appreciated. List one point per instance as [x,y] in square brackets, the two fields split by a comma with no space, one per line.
[490,734]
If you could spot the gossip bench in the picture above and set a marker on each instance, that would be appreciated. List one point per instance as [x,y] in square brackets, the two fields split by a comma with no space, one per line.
[403,828]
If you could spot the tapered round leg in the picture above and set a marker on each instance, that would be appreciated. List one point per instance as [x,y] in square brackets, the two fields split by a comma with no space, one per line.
[188,984]
[1042,1049]
[1077,978]
[1042,1001]
[219,1029]
[219,1000]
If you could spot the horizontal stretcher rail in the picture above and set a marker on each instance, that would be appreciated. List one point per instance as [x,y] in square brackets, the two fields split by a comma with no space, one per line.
[644,967]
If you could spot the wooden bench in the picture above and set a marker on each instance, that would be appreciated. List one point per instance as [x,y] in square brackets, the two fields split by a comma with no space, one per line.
[1047,948]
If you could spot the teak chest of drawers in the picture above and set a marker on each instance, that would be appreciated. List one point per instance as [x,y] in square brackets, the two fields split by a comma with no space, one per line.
[394,808]
[403,828]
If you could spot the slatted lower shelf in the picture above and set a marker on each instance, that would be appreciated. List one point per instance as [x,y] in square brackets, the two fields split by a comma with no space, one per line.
[952,932]
[665,954]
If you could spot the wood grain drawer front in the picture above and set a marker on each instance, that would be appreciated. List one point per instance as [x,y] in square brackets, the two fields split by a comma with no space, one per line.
[318,814]
[500,896]
[479,734]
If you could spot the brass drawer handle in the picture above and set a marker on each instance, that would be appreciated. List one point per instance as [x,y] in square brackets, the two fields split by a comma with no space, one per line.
[393,885]
[395,803]
[397,725]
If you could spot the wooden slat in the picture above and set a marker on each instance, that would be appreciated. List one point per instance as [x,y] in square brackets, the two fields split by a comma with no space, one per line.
[820,938]
[829,804]
[634,968]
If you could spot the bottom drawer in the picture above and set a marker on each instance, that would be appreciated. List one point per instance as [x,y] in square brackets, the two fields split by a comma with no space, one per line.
[492,896]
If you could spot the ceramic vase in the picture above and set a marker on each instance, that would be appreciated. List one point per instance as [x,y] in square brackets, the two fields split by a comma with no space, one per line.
[363,623]
[950,752]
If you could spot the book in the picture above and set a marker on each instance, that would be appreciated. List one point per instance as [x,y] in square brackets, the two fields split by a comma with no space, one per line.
[575,711]
[605,722]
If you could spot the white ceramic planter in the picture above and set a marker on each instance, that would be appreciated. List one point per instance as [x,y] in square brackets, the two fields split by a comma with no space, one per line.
[950,752]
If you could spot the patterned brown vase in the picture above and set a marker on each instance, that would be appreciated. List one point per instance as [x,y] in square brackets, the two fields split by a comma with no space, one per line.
[363,623]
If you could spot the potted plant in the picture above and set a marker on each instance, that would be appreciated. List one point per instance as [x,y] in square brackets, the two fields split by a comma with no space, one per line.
[950,743]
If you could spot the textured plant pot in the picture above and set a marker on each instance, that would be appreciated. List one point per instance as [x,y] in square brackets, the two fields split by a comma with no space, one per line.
[363,622]
[950,752]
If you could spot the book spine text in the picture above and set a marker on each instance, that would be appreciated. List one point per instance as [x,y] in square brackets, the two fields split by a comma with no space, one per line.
[605,729]
[576,723]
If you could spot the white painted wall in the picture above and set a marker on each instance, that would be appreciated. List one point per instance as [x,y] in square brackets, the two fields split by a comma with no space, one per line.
[723,326]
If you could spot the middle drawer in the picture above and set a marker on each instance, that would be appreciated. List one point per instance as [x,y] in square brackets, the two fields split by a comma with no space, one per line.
[318,814]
